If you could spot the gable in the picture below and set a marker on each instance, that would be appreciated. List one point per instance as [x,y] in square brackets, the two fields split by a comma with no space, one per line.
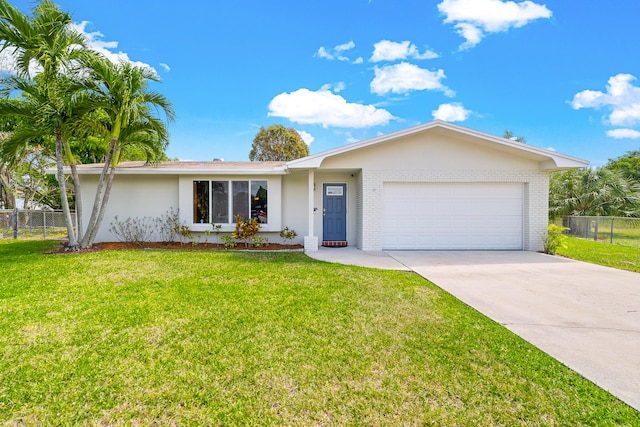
[457,146]
[435,151]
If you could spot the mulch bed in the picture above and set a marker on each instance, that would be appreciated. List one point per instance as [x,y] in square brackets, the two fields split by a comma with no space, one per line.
[118,246]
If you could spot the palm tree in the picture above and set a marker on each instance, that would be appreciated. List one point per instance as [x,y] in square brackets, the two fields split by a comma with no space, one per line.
[591,192]
[125,112]
[75,93]
[46,44]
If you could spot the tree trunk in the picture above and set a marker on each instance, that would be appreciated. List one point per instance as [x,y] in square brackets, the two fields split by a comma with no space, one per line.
[105,200]
[96,213]
[7,196]
[76,186]
[73,243]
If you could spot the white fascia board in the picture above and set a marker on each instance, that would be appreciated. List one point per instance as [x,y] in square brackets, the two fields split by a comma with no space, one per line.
[562,162]
[177,171]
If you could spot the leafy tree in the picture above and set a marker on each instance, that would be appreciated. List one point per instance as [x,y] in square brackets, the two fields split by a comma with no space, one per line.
[47,43]
[509,135]
[25,176]
[628,165]
[278,143]
[125,114]
[77,96]
[593,192]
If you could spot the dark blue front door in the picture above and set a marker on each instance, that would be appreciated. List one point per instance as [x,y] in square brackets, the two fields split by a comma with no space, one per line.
[334,203]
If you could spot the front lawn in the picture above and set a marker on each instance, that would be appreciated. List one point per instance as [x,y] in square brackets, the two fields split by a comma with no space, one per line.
[220,338]
[610,255]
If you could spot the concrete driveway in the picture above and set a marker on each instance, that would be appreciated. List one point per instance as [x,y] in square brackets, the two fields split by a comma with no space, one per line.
[584,315]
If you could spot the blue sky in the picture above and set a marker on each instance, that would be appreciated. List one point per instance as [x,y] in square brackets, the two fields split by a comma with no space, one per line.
[560,73]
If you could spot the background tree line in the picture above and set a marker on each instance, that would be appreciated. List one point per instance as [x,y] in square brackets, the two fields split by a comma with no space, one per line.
[612,190]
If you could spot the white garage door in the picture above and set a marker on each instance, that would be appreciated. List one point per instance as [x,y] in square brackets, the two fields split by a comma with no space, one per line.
[445,216]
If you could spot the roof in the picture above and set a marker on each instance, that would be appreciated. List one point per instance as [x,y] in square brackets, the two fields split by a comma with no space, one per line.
[549,160]
[190,168]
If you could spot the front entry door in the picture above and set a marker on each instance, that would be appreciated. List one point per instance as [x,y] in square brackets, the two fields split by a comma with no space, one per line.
[334,212]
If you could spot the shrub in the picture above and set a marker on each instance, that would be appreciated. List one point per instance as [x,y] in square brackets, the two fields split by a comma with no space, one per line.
[168,225]
[217,228]
[555,239]
[228,242]
[259,241]
[184,232]
[132,230]
[245,229]
[288,234]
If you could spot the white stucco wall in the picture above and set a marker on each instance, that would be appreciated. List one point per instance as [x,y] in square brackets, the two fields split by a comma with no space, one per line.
[131,196]
[295,204]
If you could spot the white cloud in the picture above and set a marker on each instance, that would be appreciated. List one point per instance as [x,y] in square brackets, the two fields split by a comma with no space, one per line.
[405,77]
[339,87]
[322,53]
[306,136]
[472,34]
[358,60]
[327,109]
[622,98]
[336,87]
[336,52]
[473,18]
[8,62]
[345,46]
[453,112]
[95,42]
[623,134]
[165,66]
[386,50]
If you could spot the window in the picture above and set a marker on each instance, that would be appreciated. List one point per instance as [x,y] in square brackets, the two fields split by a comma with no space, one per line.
[259,201]
[220,198]
[240,199]
[219,202]
[201,202]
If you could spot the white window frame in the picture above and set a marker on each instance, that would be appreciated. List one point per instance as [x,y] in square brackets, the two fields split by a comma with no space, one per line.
[274,200]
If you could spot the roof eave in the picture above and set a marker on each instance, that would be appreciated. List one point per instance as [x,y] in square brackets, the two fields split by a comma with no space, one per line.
[177,171]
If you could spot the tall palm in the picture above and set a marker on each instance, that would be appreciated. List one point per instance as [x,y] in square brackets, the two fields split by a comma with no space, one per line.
[46,44]
[593,192]
[126,112]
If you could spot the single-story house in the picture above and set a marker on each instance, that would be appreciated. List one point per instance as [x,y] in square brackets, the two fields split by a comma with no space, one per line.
[435,186]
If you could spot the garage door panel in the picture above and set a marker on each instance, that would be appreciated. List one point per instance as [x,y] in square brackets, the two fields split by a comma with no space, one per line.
[452,216]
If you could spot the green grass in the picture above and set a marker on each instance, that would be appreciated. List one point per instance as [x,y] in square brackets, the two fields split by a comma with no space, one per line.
[610,255]
[626,231]
[220,338]
[629,236]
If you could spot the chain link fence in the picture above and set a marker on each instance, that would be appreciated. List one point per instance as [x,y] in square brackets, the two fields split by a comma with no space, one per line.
[32,224]
[619,230]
